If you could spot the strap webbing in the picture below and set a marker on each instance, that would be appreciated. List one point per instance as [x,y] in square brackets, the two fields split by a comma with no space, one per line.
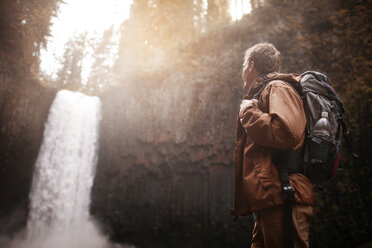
[345,133]
[285,162]
[288,225]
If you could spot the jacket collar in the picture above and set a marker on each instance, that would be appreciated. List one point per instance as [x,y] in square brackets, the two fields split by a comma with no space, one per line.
[258,82]
[262,79]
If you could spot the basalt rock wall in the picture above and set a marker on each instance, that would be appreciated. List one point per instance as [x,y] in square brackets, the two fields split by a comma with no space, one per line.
[165,169]
[24,106]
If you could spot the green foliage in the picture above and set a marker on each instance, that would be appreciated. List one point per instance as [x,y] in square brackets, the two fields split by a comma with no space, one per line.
[95,55]
[101,72]
[69,76]
[217,14]
[24,26]
[157,29]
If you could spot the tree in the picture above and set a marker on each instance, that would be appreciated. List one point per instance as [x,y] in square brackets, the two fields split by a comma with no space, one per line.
[157,29]
[101,72]
[134,47]
[70,75]
[217,12]
[24,26]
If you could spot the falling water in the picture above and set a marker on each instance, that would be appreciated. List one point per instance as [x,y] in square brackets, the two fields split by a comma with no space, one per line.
[64,170]
[63,176]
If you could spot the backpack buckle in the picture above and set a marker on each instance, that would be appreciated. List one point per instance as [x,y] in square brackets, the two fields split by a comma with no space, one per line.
[288,192]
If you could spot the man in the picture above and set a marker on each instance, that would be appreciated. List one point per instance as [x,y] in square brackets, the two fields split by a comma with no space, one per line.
[268,128]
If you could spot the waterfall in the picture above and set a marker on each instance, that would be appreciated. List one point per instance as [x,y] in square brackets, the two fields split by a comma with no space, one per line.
[63,176]
[64,169]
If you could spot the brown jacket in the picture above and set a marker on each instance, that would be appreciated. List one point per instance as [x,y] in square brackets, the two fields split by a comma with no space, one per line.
[277,121]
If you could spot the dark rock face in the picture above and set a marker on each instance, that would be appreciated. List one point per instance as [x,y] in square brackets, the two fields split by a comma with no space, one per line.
[165,171]
[24,109]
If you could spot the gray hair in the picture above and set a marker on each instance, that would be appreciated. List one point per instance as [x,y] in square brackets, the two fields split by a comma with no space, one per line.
[265,56]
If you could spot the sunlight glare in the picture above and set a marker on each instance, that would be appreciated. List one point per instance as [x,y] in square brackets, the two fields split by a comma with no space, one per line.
[75,17]
[93,17]
[238,8]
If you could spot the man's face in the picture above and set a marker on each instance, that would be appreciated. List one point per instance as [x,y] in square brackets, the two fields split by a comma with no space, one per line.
[249,74]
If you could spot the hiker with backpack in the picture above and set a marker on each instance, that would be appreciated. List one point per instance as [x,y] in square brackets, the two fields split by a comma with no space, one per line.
[288,138]
[271,131]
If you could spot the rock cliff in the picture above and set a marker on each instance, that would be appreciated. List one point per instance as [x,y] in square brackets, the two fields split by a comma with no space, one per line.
[24,109]
[165,168]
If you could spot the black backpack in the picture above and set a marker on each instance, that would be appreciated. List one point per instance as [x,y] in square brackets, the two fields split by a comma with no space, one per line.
[318,96]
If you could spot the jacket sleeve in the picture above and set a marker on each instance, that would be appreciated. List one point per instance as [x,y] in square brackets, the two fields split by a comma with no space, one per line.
[283,127]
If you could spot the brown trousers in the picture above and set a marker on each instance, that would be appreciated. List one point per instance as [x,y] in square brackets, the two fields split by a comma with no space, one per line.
[268,231]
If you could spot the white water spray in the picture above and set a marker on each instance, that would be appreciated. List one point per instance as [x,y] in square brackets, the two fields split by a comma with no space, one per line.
[63,177]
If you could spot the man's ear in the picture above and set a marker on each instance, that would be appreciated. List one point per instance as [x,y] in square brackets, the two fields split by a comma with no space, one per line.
[250,66]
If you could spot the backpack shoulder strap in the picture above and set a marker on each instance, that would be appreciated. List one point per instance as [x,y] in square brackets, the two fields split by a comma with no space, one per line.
[259,92]
[266,79]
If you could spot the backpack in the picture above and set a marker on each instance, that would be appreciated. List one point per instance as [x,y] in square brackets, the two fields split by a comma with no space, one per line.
[318,96]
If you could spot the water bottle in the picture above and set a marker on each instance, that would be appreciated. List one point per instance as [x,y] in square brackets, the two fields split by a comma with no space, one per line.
[320,140]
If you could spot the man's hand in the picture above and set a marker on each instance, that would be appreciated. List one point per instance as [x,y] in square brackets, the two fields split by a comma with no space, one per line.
[245,104]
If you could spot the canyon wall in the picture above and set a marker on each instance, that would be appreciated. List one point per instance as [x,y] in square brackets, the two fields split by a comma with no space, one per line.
[165,169]
[24,109]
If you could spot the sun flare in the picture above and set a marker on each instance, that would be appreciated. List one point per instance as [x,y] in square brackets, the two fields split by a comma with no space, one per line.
[81,16]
